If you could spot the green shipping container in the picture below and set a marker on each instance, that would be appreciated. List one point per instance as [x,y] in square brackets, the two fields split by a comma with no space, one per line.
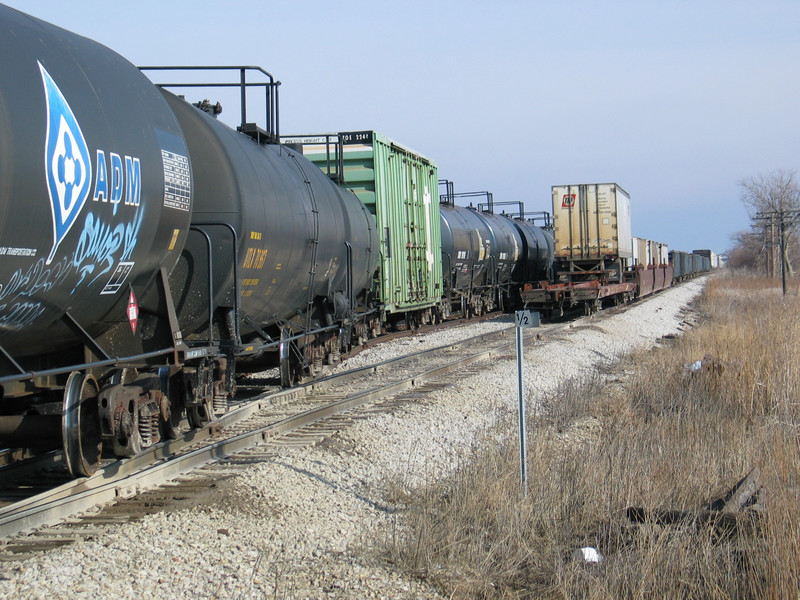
[400,187]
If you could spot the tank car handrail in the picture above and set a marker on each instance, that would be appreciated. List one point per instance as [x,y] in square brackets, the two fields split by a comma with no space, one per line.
[486,194]
[449,197]
[271,102]
[449,191]
[205,68]
[236,310]
[519,203]
[210,249]
[540,214]
[28,375]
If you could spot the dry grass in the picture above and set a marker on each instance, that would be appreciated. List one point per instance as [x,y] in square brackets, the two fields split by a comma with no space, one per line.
[658,438]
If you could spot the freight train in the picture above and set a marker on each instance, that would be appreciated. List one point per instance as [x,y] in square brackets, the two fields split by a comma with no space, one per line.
[150,252]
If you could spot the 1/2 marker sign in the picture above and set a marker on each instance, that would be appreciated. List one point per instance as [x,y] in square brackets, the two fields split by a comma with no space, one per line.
[526,319]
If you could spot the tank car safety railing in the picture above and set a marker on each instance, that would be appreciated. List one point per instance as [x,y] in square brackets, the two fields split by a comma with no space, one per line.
[490,207]
[542,215]
[349,283]
[447,197]
[271,133]
[198,227]
[489,204]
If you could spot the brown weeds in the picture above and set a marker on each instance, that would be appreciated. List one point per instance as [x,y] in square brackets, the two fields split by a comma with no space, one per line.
[670,435]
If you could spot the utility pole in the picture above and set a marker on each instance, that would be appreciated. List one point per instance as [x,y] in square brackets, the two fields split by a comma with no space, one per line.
[769,248]
[783,253]
[786,219]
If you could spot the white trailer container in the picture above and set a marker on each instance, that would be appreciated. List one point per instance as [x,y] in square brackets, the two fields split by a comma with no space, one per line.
[663,254]
[648,253]
[639,255]
[592,222]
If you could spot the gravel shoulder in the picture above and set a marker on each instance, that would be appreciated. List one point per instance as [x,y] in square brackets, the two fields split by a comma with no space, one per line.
[308,523]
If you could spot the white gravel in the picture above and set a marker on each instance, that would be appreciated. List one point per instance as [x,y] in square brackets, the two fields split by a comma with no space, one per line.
[306,525]
[417,343]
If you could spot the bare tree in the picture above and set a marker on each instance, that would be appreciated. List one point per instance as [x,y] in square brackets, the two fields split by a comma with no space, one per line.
[773,201]
[747,251]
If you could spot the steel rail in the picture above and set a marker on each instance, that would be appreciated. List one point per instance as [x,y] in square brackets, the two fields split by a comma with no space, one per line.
[123,479]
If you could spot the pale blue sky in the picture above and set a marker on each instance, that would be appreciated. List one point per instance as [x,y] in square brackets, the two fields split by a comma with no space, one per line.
[674,100]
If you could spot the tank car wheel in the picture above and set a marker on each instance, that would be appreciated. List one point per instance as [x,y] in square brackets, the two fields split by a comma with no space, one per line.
[80,426]
[291,372]
[201,414]
[291,369]
[172,412]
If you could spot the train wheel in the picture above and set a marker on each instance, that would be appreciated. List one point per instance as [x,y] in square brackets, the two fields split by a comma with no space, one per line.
[172,414]
[291,372]
[80,425]
[291,368]
[200,414]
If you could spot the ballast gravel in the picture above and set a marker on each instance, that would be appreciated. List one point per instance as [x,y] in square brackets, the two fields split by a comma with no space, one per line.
[309,522]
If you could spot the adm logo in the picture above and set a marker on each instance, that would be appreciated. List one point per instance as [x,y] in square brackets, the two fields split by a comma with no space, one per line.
[68,167]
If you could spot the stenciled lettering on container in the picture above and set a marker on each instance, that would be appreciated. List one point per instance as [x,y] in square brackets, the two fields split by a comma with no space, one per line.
[110,180]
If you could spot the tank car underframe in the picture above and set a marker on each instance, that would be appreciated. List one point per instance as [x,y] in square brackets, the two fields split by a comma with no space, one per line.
[303,353]
[477,300]
[115,405]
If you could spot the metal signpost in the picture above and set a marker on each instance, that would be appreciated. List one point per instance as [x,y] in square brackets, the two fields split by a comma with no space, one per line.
[523,319]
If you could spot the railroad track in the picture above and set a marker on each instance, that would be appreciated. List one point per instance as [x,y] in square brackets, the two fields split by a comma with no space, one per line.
[174,471]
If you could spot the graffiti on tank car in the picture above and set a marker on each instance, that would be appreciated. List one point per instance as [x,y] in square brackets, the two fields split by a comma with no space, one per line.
[16,310]
[99,244]
[68,168]
[19,315]
[39,277]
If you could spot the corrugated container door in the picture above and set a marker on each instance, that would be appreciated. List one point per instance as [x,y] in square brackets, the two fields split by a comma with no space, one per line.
[407,210]
[652,253]
[575,233]
[622,220]
[642,257]
[663,254]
